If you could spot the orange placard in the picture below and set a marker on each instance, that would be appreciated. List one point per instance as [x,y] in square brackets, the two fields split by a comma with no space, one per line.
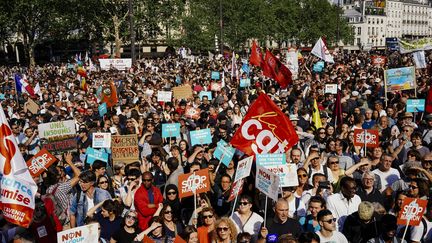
[191,183]
[40,162]
[412,211]
[192,112]
[372,137]
[378,60]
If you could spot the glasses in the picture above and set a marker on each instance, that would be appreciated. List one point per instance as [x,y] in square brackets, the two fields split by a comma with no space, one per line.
[330,220]
[130,217]
[413,187]
[208,216]
[406,130]
[222,229]
[171,193]
[244,203]
[131,178]
[168,212]
[103,182]
[302,175]
[334,162]
[147,180]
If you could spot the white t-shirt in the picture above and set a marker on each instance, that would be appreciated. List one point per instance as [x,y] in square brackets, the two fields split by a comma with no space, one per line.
[252,225]
[337,237]
[387,178]
[90,203]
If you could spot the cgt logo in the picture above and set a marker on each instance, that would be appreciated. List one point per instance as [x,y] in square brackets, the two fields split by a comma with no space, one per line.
[265,140]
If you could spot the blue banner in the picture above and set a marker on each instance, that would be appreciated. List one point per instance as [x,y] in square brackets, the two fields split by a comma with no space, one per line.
[270,159]
[202,136]
[245,82]
[170,130]
[318,67]
[415,105]
[102,109]
[95,154]
[206,93]
[215,75]
[224,152]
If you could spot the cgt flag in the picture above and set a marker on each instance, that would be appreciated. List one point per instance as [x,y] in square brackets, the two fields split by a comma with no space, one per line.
[18,189]
[256,57]
[265,129]
[273,68]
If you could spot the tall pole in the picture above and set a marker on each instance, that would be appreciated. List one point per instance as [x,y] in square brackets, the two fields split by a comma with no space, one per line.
[221,26]
[132,30]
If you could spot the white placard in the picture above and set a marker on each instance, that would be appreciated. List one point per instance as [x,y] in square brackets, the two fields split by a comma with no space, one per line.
[243,168]
[101,140]
[118,63]
[86,233]
[267,182]
[164,96]
[331,88]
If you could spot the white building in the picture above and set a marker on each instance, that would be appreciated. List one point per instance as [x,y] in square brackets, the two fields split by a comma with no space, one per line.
[375,20]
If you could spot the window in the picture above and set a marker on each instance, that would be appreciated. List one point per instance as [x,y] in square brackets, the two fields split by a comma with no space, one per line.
[359,31]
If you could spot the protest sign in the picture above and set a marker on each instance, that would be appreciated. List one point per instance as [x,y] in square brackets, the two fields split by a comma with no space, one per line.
[202,136]
[32,106]
[102,108]
[40,162]
[206,93]
[119,64]
[170,130]
[224,152]
[243,168]
[236,190]
[245,82]
[164,96]
[371,136]
[318,67]
[101,140]
[124,148]
[267,182]
[95,154]
[412,211]
[292,62]
[58,136]
[192,112]
[379,61]
[18,189]
[182,92]
[331,88]
[2,97]
[86,233]
[276,163]
[415,105]
[215,75]
[193,183]
[400,79]
[215,86]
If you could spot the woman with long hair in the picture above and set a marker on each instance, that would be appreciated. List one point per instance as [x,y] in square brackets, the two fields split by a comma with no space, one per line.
[237,116]
[189,235]
[225,232]
[303,179]
[154,233]
[171,225]
[337,172]
[129,231]
[103,183]
[184,148]
[108,217]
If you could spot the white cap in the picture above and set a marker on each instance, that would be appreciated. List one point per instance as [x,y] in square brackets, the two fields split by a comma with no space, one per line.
[355,93]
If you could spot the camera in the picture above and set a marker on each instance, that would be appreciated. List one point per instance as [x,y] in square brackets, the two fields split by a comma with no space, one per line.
[324,184]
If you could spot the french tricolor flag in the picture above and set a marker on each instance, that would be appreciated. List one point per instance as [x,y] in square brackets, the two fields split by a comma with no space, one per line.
[23,86]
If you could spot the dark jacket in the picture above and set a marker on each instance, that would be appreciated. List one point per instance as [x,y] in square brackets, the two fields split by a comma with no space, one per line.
[355,230]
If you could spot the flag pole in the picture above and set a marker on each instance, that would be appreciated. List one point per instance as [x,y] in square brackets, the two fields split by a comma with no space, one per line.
[265,211]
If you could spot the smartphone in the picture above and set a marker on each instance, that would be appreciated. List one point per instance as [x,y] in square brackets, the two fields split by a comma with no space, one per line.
[324,184]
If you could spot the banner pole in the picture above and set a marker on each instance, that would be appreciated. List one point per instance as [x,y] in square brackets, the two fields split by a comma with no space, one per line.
[195,199]
[235,203]
[406,228]
[220,162]
[365,142]
[265,212]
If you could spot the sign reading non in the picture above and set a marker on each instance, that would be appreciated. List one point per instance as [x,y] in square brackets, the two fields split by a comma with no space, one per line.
[267,182]
[101,140]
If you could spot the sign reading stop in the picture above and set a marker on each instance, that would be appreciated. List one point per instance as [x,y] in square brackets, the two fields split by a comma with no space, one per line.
[412,211]
[368,137]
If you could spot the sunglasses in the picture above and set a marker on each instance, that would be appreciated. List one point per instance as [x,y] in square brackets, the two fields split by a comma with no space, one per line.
[130,217]
[330,220]
[222,228]
[147,180]
[334,162]
[208,216]
[103,182]
[244,203]
[171,193]
[302,175]
[413,187]
[168,212]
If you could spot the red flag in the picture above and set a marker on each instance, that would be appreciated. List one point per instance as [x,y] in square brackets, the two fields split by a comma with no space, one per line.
[338,110]
[274,69]
[256,57]
[428,107]
[109,95]
[265,129]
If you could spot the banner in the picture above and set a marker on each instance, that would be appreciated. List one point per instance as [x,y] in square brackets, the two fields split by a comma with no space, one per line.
[320,50]
[119,64]
[276,163]
[256,57]
[412,211]
[164,96]
[182,92]
[197,182]
[40,162]
[95,154]
[292,62]
[379,61]
[202,136]
[273,68]
[224,152]
[265,129]
[243,168]
[419,59]
[170,130]
[101,140]
[236,189]
[215,75]
[18,188]
[245,82]
[86,233]
[415,105]
[58,136]
[192,112]
[318,67]
[372,137]
[415,45]
[331,88]
[267,182]
[399,79]
[102,108]
[125,148]
[205,93]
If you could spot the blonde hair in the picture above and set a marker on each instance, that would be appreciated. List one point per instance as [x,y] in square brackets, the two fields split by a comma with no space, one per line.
[231,226]
[366,210]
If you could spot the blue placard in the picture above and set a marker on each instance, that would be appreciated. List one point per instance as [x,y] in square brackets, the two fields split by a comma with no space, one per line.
[170,130]
[245,82]
[202,136]
[206,93]
[102,109]
[270,159]
[318,67]
[224,152]
[415,105]
[95,154]
[2,97]
[215,75]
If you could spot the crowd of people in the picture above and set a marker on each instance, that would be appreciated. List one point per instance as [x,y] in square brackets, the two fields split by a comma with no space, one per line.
[345,193]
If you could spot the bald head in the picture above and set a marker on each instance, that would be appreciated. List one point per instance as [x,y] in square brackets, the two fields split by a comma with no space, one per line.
[281,210]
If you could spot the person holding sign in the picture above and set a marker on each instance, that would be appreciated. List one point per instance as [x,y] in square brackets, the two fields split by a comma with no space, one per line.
[245,219]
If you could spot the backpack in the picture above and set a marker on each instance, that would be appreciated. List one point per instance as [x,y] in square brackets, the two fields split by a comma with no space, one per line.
[58,211]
